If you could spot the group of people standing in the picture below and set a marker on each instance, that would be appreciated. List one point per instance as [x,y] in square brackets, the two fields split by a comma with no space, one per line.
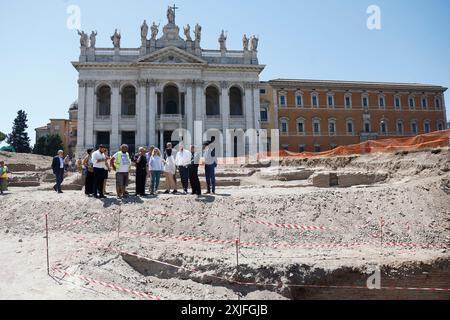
[150,165]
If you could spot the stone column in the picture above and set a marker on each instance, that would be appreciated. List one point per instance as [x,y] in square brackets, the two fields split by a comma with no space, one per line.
[225,109]
[142,114]
[249,113]
[189,108]
[81,117]
[115,115]
[152,112]
[199,106]
[275,108]
[90,113]
[161,140]
[256,105]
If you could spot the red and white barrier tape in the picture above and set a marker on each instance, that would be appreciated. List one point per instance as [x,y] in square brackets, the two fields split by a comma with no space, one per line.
[265,284]
[278,245]
[291,226]
[108,285]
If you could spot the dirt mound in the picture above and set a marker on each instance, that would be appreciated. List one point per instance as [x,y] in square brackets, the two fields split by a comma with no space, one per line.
[295,243]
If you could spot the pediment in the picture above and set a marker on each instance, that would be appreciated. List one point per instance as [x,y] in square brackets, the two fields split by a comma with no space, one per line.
[171,55]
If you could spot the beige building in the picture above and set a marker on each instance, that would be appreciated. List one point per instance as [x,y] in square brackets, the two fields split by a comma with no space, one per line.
[65,128]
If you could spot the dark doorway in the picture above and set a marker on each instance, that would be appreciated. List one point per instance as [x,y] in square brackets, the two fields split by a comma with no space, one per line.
[103,138]
[129,138]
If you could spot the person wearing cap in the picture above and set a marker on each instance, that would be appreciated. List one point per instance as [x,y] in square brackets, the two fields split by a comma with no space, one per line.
[100,168]
[58,170]
[210,167]
[121,163]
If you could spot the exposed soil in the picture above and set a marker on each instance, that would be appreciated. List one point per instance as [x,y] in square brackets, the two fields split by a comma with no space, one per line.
[275,263]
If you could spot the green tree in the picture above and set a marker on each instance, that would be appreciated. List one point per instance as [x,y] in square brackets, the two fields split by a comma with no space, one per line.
[39,147]
[2,137]
[48,145]
[54,144]
[18,138]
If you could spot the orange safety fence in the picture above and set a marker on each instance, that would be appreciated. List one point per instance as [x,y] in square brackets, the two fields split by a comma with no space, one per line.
[432,140]
[438,139]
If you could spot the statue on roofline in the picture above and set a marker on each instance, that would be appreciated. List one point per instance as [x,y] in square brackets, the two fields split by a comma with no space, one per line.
[171,15]
[155,30]
[84,39]
[144,31]
[116,39]
[198,33]
[245,42]
[187,32]
[93,39]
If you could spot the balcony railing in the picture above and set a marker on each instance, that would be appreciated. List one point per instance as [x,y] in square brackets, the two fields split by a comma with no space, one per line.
[170,117]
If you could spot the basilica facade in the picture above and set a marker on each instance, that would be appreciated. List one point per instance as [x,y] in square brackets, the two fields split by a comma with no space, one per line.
[170,89]
[141,96]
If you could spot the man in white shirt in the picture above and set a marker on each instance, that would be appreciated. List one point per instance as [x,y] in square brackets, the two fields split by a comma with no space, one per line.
[121,163]
[182,161]
[99,164]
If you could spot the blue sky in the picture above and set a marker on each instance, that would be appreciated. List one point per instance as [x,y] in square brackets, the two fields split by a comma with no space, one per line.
[320,39]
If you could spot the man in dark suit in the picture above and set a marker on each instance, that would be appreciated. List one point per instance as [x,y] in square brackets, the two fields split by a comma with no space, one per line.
[58,170]
[193,172]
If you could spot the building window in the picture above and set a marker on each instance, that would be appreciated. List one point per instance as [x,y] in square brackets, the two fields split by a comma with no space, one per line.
[301,148]
[332,127]
[104,101]
[301,126]
[414,127]
[427,126]
[316,127]
[424,103]
[367,127]
[382,102]
[350,127]
[330,100]
[285,147]
[262,91]
[236,108]
[440,125]
[57,127]
[365,101]
[317,148]
[129,138]
[314,100]
[299,100]
[284,126]
[348,101]
[400,128]
[283,100]
[398,103]
[212,101]
[383,127]
[333,146]
[129,101]
[437,103]
[411,103]
[264,115]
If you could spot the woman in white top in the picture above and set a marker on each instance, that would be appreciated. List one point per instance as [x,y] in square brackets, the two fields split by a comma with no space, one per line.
[155,165]
[169,172]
